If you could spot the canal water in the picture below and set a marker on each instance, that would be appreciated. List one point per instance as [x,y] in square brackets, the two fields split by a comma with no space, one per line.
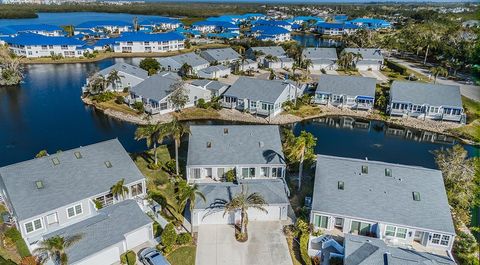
[45,112]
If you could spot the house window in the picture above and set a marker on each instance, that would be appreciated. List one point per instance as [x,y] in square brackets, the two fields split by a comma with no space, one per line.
[394,231]
[276,172]
[390,230]
[401,233]
[360,228]
[74,210]
[445,240]
[52,218]
[163,105]
[136,189]
[436,239]
[264,172]
[252,172]
[320,221]
[105,200]
[248,172]
[33,226]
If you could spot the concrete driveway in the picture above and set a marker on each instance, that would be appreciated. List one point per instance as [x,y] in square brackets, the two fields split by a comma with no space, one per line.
[266,245]
[375,74]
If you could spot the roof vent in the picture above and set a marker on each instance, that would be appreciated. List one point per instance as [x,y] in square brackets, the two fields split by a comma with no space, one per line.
[39,184]
[55,161]
[209,144]
[364,169]
[108,164]
[225,130]
[261,144]
[341,185]
[416,196]
[78,155]
[388,172]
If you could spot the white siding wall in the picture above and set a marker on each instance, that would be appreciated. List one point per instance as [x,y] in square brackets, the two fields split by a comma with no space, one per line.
[35,51]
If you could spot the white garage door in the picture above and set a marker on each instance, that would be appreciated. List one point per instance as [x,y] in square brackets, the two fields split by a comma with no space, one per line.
[106,257]
[138,237]
[257,215]
[208,217]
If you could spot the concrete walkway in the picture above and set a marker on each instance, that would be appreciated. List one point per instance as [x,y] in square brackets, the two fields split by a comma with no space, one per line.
[266,245]
[375,74]
[469,91]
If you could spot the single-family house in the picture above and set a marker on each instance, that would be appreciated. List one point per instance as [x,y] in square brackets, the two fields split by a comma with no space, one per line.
[354,92]
[143,42]
[247,65]
[372,59]
[210,212]
[251,151]
[335,28]
[273,57]
[321,58]
[471,23]
[69,193]
[225,56]
[214,72]
[362,250]
[129,76]
[423,100]
[106,26]
[258,96]
[400,204]
[41,29]
[370,23]
[270,33]
[175,63]
[215,87]
[33,45]
[154,92]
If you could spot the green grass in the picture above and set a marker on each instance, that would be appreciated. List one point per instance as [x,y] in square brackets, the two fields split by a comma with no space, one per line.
[472,129]
[183,256]
[306,111]
[197,114]
[188,21]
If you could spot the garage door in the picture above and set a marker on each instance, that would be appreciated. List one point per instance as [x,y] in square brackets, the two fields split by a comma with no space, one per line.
[208,217]
[138,237]
[257,215]
[106,257]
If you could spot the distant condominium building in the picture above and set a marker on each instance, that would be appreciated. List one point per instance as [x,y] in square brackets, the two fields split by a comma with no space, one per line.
[143,42]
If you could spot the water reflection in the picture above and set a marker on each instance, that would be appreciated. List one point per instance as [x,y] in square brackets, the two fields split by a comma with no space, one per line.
[312,40]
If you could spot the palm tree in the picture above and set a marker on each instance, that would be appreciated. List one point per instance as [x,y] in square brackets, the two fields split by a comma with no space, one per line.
[258,53]
[242,202]
[97,84]
[186,69]
[113,78]
[153,134]
[188,193]
[54,249]
[438,71]
[177,129]
[307,63]
[119,189]
[297,150]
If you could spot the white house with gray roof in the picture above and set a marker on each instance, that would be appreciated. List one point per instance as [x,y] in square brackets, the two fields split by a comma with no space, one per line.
[130,76]
[354,92]
[258,96]
[273,57]
[175,63]
[251,151]
[58,192]
[372,59]
[423,100]
[215,87]
[402,205]
[225,56]
[322,58]
[155,93]
[209,211]
[214,72]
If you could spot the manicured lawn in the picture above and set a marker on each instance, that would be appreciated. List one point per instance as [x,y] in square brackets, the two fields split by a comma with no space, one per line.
[183,256]
[472,129]
[306,111]
[197,114]
[111,104]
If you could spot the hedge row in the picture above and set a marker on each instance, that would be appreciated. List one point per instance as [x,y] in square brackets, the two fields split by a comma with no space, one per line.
[396,67]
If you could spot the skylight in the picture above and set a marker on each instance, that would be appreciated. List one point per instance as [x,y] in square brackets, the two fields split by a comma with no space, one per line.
[55,161]
[225,130]
[108,164]
[341,185]
[78,155]
[416,196]
[39,184]
[209,144]
[388,172]
[364,169]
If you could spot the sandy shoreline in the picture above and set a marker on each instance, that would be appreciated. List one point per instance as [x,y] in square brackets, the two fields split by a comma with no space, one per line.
[285,118]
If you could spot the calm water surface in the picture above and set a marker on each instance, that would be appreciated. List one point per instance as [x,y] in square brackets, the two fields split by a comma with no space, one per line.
[46,112]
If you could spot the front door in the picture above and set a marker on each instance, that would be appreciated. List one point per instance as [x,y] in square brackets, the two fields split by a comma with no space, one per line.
[220,173]
[208,172]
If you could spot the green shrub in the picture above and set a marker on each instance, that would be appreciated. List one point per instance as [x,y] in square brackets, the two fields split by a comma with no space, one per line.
[169,236]
[170,165]
[42,153]
[184,238]
[104,97]
[15,235]
[128,258]
[98,204]
[230,176]
[201,103]
[126,89]
[304,249]
[154,166]
[323,71]
[139,106]
[151,65]
[4,261]
[396,67]
[157,229]
[464,248]
[119,100]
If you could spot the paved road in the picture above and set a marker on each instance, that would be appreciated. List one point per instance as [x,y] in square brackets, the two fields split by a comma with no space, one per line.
[469,91]
[266,245]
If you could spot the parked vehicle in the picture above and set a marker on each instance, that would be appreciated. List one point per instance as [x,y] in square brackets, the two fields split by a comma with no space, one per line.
[151,256]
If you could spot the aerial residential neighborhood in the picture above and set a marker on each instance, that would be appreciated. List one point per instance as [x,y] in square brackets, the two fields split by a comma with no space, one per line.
[213,133]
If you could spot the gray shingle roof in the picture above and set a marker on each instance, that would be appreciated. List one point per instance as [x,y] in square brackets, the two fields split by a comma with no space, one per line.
[320,53]
[190,58]
[277,51]
[103,230]
[367,54]
[257,89]
[214,68]
[347,85]
[424,93]
[211,85]
[70,181]
[242,145]
[125,68]
[225,54]
[376,197]
[156,87]
[272,190]
[360,250]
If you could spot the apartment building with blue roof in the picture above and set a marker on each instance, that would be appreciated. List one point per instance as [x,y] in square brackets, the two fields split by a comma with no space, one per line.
[143,42]
[162,23]
[112,26]
[335,28]
[33,45]
[42,29]
[270,33]
[370,23]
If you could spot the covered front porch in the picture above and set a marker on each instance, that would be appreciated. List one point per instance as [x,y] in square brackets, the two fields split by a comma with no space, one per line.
[206,174]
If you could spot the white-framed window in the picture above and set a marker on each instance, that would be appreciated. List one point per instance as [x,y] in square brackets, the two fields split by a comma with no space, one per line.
[34,225]
[74,211]
[136,189]
[439,239]
[394,231]
[105,200]
[320,221]
[52,218]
